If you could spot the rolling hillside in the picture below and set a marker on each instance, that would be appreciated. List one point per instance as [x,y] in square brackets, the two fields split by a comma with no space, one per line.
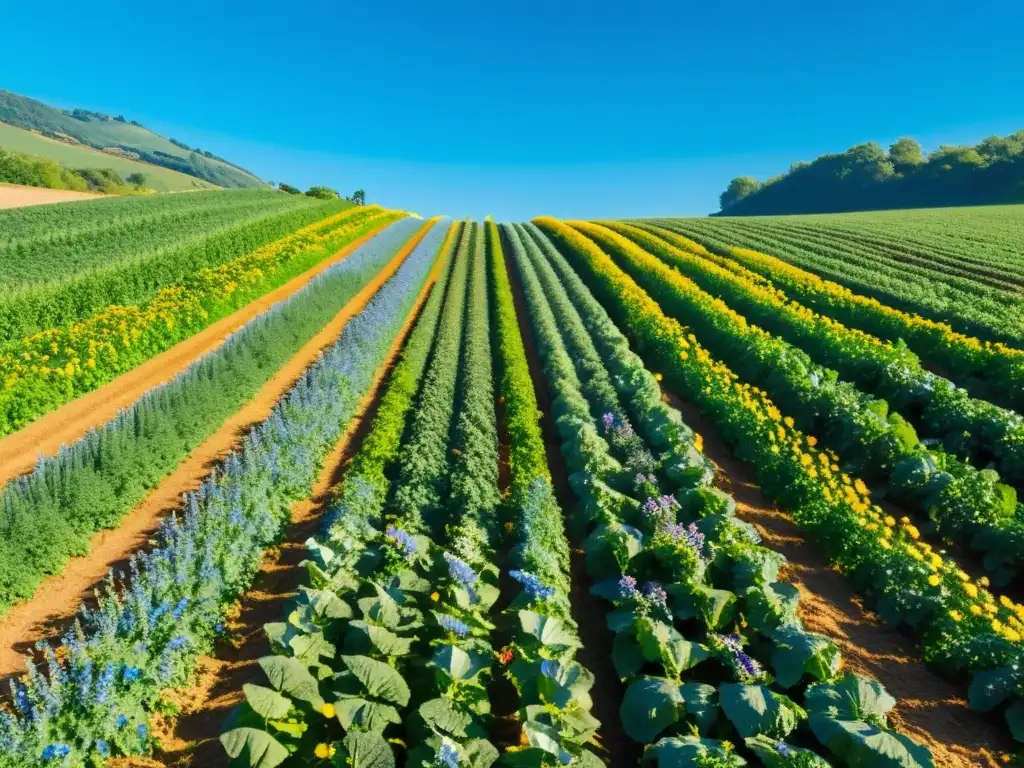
[105,132]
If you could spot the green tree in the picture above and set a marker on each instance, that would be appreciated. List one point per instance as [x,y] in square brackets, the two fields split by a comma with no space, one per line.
[905,154]
[359,197]
[138,179]
[738,189]
[323,193]
[289,189]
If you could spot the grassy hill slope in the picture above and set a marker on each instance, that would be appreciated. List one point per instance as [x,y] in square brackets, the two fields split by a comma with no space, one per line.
[105,132]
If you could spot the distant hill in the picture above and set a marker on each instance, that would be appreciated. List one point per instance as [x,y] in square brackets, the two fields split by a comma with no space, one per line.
[869,178]
[117,136]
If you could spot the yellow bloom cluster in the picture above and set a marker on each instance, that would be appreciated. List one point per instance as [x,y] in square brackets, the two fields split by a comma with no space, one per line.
[56,365]
[847,498]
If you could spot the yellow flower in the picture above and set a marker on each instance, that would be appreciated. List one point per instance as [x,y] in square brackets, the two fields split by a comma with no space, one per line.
[975,610]
[905,520]
[328,711]
[812,440]
[885,543]
[956,616]
[934,580]
[983,581]
[997,625]
[1011,634]
[324,751]
[788,421]
[862,489]
[1005,602]
[912,532]
[890,520]
[658,377]
[435,596]
[970,589]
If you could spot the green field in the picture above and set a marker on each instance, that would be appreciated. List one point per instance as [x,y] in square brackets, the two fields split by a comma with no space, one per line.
[160,179]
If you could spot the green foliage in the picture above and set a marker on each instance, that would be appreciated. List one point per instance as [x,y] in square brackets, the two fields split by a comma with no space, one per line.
[323,193]
[865,177]
[34,171]
[289,189]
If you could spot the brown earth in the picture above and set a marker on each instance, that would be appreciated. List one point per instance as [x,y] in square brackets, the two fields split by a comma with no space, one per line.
[17,196]
[191,737]
[45,436]
[929,709]
[58,597]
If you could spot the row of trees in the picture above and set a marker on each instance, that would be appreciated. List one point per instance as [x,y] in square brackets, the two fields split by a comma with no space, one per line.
[34,171]
[323,193]
[867,177]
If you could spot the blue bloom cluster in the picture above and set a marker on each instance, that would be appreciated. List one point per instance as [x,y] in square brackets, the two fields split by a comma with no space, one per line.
[533,586]
[448,756]
[453,625]
[149,624]
[401,539]
[747,666]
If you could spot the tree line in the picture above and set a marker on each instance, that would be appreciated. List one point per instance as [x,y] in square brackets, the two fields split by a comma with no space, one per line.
[867,177]
[35,171]
[323,193]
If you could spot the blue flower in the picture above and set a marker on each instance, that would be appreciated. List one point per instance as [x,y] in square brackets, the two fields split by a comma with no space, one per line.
[121,722]
[460,571]
[177,642]
[535,588]
[103,748]
[747,664]
[402,540]
[453,625]
[549,669]
[142,731]
[131,674]
[180,608]
[448,756]
[55,751]
[564,757]
[627,587]
[783,749]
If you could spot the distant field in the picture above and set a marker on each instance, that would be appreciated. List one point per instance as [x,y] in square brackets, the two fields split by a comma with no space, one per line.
[16,196]
[964,266]
[160,179]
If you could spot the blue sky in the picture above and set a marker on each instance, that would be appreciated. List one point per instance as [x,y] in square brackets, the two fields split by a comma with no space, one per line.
[516,109]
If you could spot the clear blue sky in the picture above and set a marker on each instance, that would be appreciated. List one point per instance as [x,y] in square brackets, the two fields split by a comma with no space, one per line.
[520,108]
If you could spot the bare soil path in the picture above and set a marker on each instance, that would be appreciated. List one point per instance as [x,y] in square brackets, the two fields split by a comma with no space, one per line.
[44,437]
[58,597]
[929,709]
[18,196]
[192,738]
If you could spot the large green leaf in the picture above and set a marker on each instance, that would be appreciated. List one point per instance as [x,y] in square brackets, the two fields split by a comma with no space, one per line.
[268,704]
[325,604]
[368,750]
[442,717]
[649,706]
[863,745]
[701,702]
[548,631]
[796,653]
[753,710]
[1015,719]
[254,748]
[853,697]
[627,655]
[691,752]
[459,664]
[779,754]
[772,605]
[542,737]
[381,610]
[379,680]
[356,711]
[363,638]
[289,676]
[990,688]
[661,642]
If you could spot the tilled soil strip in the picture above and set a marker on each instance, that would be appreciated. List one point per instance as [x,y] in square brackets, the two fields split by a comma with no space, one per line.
[58,597]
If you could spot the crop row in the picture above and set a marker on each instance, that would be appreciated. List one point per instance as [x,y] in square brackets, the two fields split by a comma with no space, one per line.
[681,570]
[963,503]
[988,318]
[76,277]
[98,690]
[994,369]
[52,367]
[960,625]
[50,514]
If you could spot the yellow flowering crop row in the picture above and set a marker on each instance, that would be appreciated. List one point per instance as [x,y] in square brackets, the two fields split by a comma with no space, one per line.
[959,621]
[1001,366]
[54,366]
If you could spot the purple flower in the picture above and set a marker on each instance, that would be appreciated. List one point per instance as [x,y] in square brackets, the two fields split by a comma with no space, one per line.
[608,420]
[748,665]
[783,749]
[655,594]
[402,540]
[668,502]
[650,507]
[627,587]
[640,479]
